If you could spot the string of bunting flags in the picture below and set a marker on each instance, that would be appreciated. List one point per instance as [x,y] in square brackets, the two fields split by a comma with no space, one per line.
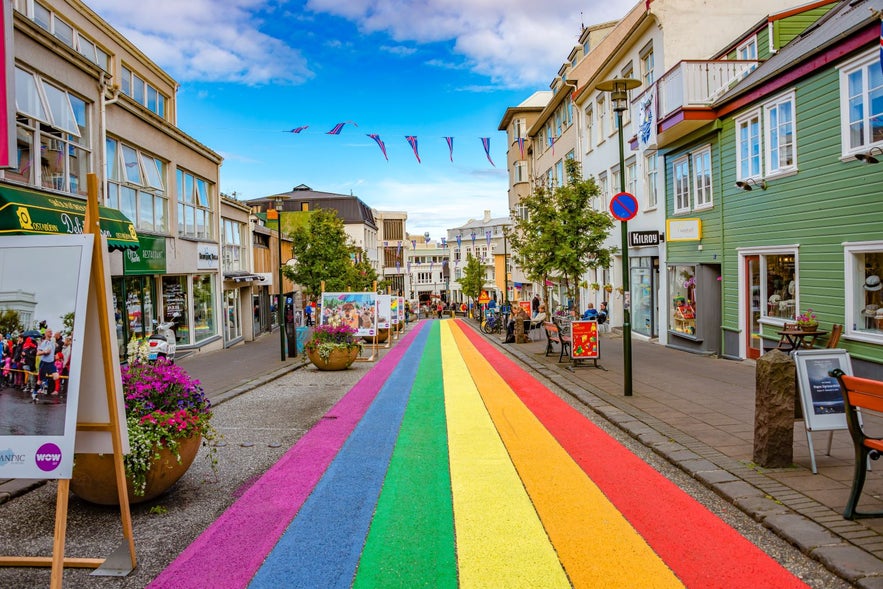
[411,139]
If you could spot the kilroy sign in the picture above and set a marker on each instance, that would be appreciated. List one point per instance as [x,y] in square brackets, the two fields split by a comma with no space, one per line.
[644,238]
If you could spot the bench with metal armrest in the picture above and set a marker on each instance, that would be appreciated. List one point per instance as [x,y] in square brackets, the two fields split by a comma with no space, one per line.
[555,336]
[860,393]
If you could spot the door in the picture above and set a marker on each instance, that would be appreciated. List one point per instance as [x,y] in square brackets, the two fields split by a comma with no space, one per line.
[753,343]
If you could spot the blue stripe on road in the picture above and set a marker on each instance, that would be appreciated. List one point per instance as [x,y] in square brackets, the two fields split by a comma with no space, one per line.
[321,547]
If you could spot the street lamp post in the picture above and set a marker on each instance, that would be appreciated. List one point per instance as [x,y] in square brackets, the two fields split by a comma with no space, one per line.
[619,96]
[280,311]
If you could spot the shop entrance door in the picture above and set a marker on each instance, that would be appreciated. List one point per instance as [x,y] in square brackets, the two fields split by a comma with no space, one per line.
[751,298]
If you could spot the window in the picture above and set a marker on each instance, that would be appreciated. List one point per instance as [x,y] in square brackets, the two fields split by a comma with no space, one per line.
[778,282]
[682,185]
[628,72]
[520,172]
[65,33]
[864,291]
[779,135]
[233,254]
[651,175]
[601,103]
[861,103]
[136,186]
[682,294]
[747,50]
[603,191]
[194,206]
[631,177]
[203,307]
[520,126]
[748,146]
[559,173]
[52,136]
[590,129]
[142,92]
[702,179]
[647,65]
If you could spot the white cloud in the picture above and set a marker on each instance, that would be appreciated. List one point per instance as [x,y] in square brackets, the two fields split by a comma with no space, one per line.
[517,43]
[207,40]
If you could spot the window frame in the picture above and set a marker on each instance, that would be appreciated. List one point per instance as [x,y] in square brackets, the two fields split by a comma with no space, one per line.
[121,180]
[753,141]
[865,64]
[853,269]
[775,106]
[193,196]
[703,192]
[651,177]
[680,169]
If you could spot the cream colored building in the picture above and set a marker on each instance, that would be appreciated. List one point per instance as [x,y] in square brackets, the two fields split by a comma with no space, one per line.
[90,102]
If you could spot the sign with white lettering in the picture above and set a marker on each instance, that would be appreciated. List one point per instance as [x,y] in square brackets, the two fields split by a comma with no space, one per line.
[643,238]
[148,259]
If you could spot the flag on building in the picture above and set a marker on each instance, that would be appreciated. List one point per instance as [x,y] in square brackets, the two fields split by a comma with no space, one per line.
[297,130]
[450,142]
[380,144]
[486,143]
[412,141]
[339,127]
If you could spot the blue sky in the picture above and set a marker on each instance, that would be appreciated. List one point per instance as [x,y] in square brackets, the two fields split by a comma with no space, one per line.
[250,70]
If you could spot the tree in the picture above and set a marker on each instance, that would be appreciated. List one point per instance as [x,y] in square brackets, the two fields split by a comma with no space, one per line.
[560,235]
[472,281]
[10,321]
[363,276]
[323,252]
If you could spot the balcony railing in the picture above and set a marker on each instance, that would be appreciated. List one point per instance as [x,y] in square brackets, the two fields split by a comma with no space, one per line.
[698,83]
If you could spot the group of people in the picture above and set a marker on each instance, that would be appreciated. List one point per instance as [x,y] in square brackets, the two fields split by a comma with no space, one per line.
[32,363]
[539,316]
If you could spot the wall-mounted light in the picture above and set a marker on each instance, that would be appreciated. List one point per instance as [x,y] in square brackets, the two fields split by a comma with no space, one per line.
[750,184]
[869,158]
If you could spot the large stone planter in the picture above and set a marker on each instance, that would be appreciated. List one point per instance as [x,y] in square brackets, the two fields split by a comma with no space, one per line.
[339,359]
[381,336]
[94,480]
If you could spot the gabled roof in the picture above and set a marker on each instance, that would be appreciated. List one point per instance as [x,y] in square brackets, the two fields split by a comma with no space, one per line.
[844,24]
[350,208]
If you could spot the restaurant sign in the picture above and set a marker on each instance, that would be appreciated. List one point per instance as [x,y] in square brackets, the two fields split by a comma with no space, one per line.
[643,238]
[147,260]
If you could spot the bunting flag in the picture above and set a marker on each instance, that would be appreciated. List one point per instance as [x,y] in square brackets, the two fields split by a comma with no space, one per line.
[412,141]
[487,238]
[881,41]
[444,242]
[297,130]
[408,266]
[339,127]
[521,146]
[450,141]
[413,244]
[380,144]
[552,144]
[486,142]
[459,237]
[473,241]
[399,251]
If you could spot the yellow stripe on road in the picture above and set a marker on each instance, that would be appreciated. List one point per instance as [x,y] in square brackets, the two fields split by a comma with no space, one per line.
[596,544]
[500,540]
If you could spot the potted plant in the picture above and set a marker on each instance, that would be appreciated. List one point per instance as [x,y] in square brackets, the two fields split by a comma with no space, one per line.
[167,416]
[332,347]
[807,321]
[595,286]
[608,288]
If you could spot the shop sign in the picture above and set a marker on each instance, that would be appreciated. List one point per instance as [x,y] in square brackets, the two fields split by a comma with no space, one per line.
[148,259]
[643,238]
[683,229]
[208,256]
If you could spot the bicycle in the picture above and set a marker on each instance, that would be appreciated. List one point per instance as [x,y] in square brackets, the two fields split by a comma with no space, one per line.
[492,324]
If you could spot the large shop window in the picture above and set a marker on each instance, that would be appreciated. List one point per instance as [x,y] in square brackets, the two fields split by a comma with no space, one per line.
[204,307]
[682,294]
[52,136]
[233,324]
[779,286]
[175,307]
[864,308]
[136,186]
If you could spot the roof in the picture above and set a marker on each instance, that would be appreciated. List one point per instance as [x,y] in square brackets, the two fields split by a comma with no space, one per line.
[841,23]
[351,209]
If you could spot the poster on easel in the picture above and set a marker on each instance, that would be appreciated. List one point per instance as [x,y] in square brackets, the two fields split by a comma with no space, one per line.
[45,281]
[384,316]
[585,344]
[357,310]
[400,311]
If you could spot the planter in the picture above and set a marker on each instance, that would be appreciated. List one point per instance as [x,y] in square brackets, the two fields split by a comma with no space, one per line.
[338,359]
[94,480]
[381,336]
[809,327]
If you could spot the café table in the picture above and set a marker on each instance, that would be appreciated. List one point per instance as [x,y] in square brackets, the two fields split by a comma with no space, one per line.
[800,339]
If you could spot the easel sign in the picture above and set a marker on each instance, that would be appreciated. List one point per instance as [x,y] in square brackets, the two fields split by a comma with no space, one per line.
[820,396]
[400,312]
[584,343]
[357,310]
[50,275]
[384,318]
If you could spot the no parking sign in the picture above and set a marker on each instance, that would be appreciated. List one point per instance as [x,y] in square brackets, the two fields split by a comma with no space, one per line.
[624,206]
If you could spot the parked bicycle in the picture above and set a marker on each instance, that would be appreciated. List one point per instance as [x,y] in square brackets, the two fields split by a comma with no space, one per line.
[493,323]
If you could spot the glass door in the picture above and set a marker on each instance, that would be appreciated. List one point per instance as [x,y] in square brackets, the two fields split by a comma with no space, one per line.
[754,343]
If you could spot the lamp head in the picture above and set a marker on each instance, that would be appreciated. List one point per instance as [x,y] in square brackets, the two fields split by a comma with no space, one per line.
[869,158]
[749,184]
[278,200]
[619,91]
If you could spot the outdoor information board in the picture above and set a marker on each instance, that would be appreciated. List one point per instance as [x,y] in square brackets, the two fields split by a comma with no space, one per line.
[357,310]
[820,396]
[584,343]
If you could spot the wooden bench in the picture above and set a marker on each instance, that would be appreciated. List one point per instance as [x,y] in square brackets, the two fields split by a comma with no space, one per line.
[860,393]
[554,336]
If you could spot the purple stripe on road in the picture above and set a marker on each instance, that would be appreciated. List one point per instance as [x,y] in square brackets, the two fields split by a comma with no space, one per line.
[230,551]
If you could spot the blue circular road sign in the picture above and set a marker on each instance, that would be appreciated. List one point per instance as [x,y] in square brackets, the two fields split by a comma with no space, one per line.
[624,206]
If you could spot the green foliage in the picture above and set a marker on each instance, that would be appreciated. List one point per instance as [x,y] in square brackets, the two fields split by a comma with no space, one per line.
[10,321]
[472,281]
[323,252]
[67,321]
[561,236]
[362,274]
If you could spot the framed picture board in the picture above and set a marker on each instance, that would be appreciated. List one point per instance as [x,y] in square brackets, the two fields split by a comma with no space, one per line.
[820,395]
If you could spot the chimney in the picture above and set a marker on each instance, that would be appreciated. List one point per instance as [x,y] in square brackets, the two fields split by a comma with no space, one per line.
[487,215]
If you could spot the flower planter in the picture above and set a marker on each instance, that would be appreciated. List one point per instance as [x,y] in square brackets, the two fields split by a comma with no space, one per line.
[94,479]
[809,327]
[382,336]
[338,359]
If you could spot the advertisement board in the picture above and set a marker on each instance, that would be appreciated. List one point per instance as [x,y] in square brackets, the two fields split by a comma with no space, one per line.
[355,309]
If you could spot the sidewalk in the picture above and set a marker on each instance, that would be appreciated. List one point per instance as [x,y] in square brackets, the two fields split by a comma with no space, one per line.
[698,412]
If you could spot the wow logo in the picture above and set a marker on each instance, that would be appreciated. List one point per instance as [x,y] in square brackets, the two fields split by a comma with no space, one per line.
[48,457]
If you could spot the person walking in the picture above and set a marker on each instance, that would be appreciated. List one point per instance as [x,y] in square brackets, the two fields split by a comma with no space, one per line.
[535,305]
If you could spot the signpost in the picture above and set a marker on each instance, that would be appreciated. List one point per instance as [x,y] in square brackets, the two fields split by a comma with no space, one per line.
[624,206]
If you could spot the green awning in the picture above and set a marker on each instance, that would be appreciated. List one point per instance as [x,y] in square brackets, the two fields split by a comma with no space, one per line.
[28,212]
